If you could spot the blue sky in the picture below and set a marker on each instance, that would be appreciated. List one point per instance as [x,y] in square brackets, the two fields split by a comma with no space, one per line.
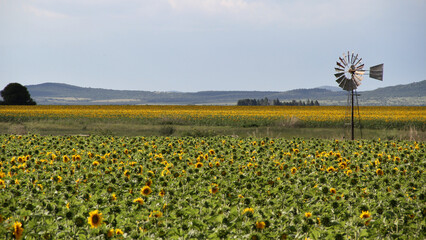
[197,45]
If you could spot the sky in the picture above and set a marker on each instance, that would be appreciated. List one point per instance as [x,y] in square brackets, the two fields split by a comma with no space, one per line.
[201,45]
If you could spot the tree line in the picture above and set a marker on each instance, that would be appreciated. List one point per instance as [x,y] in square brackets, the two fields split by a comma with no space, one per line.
[276,102]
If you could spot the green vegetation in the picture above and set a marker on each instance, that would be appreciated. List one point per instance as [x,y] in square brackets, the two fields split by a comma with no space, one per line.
[172,128]
[104,187]
[16,94]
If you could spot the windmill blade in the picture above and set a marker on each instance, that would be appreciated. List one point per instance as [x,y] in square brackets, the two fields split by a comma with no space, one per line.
[340,65]
[359,67]
[339,74]
[357,80]
[376,72]
[340,79]
[343,61]
[352,58]
[348,57]
[357,83]
[359,73]
[356,57]
[359,61]
[350,85]
[339,70]
[342,84]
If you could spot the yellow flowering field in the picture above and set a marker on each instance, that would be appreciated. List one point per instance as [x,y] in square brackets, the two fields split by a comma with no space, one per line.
[99,187]
[323,116]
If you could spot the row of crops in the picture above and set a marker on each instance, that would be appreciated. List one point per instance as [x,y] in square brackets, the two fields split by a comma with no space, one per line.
[246,116]
[73,187]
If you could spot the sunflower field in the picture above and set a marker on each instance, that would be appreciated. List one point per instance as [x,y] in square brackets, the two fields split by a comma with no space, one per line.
[246,116]
[98,187]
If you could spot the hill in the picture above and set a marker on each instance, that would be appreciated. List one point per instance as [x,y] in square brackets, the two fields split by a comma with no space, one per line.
[63,94]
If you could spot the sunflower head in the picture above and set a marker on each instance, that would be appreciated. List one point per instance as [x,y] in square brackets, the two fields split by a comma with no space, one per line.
[162,193]
[214,189]
[365,214]
[379,172]
[156,214]
[199,165]
[95,219]
[17,230]
[308,214]
[110,233]
[146,190]
[293,170]
[260,225]
[249,211]
[332,190]
[138,200]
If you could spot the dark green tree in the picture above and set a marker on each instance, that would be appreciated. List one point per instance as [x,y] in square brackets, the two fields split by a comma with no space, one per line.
[16,94]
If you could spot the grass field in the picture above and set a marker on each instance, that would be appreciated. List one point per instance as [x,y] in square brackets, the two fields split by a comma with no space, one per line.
[323,122]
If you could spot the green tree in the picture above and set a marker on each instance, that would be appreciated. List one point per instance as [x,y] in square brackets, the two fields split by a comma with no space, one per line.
[16,94]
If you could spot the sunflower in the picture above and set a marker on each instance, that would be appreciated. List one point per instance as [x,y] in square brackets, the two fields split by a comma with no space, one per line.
[95,163]
[293,170]
[365,214]
[146,190]
[214,189]
[308,214]
[260,225]
[156,214]
[379,172]
[110,232]
[331,169]
[95,219]
[248,210]
[17,230]
[162,193]
[332,190]
[198,165]
[138,200]
[118,231]
[148,182]
[113,197]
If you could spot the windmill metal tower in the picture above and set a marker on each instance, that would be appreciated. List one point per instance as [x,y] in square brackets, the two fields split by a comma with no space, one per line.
[349,75]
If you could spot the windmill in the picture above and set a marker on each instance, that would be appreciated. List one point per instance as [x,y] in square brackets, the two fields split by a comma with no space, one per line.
[349,74]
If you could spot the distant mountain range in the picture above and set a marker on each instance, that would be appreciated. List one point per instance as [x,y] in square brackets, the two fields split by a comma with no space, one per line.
[413,94]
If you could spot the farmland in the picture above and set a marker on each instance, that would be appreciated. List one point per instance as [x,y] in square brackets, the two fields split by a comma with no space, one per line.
[189,178]
[285,121]
[210,188]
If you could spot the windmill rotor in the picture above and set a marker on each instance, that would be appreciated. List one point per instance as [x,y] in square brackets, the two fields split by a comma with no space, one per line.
[349,71]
